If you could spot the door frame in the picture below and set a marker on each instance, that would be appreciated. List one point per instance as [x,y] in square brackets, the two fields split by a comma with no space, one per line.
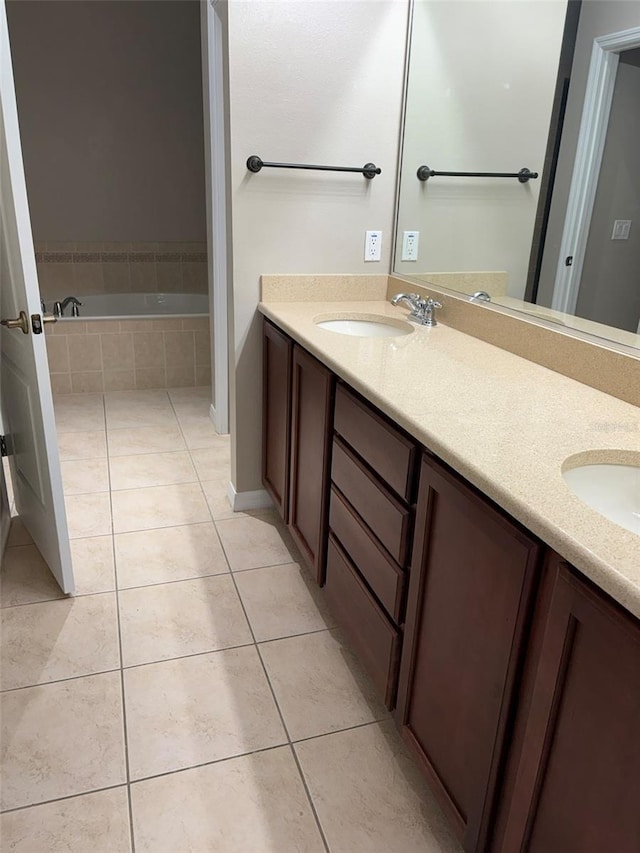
[605,56]
[213,64]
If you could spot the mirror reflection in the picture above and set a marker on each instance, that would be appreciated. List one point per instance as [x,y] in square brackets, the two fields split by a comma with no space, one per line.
[498,87]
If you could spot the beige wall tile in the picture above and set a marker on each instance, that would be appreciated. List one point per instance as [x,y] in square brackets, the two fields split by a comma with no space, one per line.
[87,382]
[87,278]
[119,380]
[84,353]
[167,324]
[203,374]
[202,347]
[196,323]
[117,351]
[117,278]
[61,383]
[60,277]
[195,277]
[148,349]
[95,327]
[68,327]
[179,349]
[169,276]
[181,377]
[136,325]
[57,353]
[150,377]
[143,278]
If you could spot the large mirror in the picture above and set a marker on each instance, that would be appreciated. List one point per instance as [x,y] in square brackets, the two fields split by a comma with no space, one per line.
[517,87]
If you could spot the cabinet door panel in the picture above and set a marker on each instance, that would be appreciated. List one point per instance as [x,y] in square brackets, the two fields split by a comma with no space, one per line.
[471,584]
[312,413]
[578,784]
[276,427]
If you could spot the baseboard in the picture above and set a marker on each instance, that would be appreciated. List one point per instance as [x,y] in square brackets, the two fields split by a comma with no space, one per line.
[244,501]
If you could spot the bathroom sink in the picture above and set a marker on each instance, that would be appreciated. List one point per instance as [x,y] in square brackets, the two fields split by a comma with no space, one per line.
[612,490]
[364,326]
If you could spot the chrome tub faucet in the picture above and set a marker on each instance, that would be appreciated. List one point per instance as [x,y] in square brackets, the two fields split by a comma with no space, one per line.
[422,310]
[58,307]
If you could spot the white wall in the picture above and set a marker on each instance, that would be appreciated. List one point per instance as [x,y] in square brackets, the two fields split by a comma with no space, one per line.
[481,88]
[610,283]
[110,105]
[315,82]
[597,18]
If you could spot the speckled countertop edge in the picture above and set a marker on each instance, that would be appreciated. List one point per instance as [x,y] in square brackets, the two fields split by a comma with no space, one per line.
[504,423]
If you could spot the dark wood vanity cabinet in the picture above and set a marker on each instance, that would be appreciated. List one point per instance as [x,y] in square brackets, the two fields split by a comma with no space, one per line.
[297,423]
[277,352]
[473,578]
[577,787]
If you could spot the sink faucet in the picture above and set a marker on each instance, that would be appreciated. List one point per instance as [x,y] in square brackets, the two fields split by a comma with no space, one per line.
[422,310]
[58,307]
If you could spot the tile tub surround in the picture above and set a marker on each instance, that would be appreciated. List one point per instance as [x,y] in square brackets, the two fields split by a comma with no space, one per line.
[184,705]
[82,268]
[504,423]
[89,356]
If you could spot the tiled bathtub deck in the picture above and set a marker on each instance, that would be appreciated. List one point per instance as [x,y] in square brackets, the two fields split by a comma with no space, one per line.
[194,695]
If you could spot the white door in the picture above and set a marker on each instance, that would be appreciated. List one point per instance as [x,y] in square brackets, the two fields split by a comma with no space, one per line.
[25,388]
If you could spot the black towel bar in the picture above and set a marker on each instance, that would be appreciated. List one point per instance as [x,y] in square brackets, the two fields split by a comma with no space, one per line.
[369,170]
[524,175]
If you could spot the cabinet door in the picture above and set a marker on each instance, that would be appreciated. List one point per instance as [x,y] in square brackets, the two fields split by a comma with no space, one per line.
[471,587]
[578,784]
[276,427]
[312,414]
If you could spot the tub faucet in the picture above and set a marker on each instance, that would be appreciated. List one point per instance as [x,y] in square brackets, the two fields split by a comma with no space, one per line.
[58,307]
[422,310]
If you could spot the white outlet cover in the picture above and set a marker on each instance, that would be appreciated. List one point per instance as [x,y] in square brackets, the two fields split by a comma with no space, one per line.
[410,241]
[621,229]
[373,245]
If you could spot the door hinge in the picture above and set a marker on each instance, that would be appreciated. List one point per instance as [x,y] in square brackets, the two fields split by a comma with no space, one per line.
[3,446]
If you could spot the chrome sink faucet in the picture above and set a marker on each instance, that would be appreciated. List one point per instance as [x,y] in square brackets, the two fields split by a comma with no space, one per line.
[422,310]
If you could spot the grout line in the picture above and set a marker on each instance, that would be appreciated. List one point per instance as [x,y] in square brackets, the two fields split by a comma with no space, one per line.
[62,799]
[60,680]
[310,798]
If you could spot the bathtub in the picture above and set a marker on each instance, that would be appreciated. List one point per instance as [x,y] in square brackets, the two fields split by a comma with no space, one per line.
[134,305]
[131,341]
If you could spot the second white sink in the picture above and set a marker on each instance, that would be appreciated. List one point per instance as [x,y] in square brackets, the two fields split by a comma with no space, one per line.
[612,490]
[370,326]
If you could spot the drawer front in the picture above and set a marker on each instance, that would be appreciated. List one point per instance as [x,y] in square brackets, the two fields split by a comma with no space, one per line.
[374,639]
[377,506]
[387,451]
[384,577]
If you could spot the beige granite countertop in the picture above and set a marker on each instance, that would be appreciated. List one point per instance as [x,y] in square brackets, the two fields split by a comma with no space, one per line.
[504,423]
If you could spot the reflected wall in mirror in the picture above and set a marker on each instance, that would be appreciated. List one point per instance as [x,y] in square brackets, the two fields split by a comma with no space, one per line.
[488,91]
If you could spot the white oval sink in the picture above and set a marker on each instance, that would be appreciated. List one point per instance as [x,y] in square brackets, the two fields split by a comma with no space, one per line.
[612,490]
[365,326]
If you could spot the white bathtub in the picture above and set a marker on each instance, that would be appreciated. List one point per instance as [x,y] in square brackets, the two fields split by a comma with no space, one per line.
[101,305]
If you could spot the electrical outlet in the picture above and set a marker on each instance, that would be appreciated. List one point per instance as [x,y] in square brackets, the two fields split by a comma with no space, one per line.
[410,245]
[621,229]
[372,245]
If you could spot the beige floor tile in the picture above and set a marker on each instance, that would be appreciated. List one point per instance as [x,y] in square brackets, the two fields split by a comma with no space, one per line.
[183,618]
[319,685]
[215,491]
[82,445]
[198,392]
[93,564]
[369,795]
[158,506]
[25,577]
[53,640]
[251,804]
[85,476]
[18,533]
[193,410]
[168,554]
[129,442]
[151,469]
[282,601]
[93,822]
[200,435]
[61,739]
[79,413]
[88,515]
[253,541]
[198,709]
[131,409]
[212,463]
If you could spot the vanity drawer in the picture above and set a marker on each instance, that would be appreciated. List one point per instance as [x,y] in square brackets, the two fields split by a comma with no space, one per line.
[374,503]
[384,577]
[389,453]
[372,636]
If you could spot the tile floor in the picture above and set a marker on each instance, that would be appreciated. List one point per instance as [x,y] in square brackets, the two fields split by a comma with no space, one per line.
[194,695]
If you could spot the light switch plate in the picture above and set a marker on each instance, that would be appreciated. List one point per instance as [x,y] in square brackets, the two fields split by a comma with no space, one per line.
[621,229]
[373,245]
